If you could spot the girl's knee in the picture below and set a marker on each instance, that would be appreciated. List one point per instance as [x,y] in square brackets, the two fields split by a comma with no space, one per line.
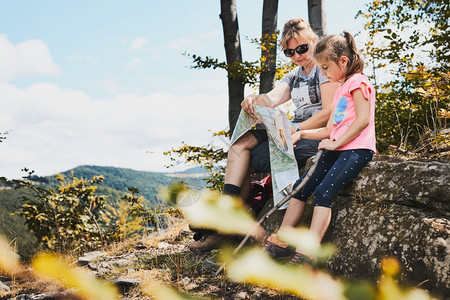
[323,201]
[322,197]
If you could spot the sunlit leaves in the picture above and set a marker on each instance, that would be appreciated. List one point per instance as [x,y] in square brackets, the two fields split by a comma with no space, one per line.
[226,214]
[68,217]
[162,292]
[307,241]
[404,37]
[248,71]
[9,260]
[255,266]
[208,156]
[209,209]
[388,287]
[53,268]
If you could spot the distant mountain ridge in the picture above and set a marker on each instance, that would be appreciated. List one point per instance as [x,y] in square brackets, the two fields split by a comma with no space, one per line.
[120,179]
[194,170]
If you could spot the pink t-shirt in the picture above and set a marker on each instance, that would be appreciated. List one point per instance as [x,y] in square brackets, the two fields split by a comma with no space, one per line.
[345,114]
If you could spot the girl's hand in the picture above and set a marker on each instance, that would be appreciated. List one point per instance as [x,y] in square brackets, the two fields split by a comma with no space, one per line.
[328,144]
[247,104]
[296,137]
[293,130]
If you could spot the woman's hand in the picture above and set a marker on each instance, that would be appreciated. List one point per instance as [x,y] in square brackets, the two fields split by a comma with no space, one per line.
[296,137]
[247,104]
[328,144]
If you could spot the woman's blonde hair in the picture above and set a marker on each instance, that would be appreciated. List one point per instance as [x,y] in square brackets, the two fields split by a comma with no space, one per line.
[294,29]
[333,47]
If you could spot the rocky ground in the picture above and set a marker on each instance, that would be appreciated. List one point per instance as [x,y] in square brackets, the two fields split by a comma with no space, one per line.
[158,259]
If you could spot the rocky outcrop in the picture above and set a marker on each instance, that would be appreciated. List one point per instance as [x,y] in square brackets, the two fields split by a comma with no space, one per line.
[397,208]
[422,184]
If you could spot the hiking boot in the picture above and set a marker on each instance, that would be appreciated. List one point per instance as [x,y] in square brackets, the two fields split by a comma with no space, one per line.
[207,242]
[300,259]
[278,252]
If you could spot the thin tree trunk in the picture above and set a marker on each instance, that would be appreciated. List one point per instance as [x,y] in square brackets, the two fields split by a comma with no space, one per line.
[316,17]
[268,46]
[233,53]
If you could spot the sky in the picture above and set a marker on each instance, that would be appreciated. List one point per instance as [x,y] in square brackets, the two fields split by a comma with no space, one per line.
[106,82]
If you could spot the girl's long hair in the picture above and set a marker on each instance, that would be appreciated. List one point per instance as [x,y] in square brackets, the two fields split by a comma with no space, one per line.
[333,47]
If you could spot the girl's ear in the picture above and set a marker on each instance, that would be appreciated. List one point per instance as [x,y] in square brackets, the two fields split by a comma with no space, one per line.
[343,61]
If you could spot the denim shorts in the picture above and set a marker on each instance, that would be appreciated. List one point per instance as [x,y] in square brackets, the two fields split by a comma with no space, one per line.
[260,158]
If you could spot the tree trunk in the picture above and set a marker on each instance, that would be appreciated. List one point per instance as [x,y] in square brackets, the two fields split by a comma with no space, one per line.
[316,17]
[268,46]
[233,53]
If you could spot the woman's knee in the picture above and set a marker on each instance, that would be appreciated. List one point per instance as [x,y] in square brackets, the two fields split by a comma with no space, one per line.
[247,142]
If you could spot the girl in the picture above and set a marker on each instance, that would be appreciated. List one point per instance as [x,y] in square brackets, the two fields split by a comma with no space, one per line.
[311,93]
[348,140]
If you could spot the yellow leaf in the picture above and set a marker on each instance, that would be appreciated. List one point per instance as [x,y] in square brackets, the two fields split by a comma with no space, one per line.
[87,286]
[9,260]
[255,266]
[210,210]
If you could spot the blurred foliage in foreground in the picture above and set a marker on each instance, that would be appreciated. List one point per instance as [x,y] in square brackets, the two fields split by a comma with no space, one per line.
[227,214]
[251,266]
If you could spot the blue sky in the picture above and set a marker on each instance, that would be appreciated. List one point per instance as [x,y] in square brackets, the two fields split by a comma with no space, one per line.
[105,82]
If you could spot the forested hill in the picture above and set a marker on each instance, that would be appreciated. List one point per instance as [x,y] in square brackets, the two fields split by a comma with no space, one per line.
[115,184]
[120,179]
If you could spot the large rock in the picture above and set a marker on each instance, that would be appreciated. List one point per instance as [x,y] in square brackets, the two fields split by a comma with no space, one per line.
[365,233]
[397,208]
[423,184]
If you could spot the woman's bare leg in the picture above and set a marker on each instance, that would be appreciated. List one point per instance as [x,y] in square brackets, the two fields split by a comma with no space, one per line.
[238,162]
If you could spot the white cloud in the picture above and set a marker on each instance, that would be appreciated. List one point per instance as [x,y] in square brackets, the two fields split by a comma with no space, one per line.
[55,129]
[25,59]
[138,43]
[110,85]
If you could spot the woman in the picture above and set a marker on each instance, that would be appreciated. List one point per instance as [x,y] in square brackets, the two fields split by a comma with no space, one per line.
[311,94]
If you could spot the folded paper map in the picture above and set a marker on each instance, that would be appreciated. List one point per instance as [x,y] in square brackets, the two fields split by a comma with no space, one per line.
[283,165]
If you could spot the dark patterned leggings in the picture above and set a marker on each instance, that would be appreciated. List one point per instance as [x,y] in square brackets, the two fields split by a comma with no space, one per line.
[334,170]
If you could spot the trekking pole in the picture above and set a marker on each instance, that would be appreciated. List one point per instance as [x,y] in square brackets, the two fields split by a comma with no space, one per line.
[278,205]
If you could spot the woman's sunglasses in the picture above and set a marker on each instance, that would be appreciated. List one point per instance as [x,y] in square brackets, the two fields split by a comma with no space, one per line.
[300,49]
